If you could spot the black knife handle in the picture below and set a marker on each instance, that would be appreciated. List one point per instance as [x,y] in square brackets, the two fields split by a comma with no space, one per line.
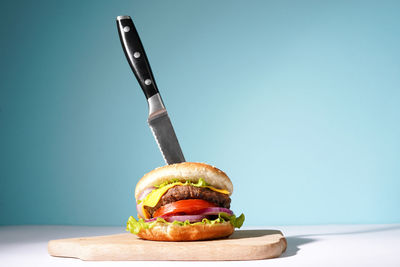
[136,56]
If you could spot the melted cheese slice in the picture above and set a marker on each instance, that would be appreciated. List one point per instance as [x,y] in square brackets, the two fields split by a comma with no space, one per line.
[154,197]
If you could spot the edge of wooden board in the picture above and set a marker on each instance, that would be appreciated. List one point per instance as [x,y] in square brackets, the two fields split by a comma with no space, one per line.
[242,245]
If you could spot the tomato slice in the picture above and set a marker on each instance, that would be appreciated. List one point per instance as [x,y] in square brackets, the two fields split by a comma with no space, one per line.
[187,206]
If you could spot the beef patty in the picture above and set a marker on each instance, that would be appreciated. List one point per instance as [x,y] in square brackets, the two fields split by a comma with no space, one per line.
[181,192]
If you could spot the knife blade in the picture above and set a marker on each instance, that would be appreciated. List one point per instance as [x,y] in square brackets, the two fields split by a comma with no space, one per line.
[158,119]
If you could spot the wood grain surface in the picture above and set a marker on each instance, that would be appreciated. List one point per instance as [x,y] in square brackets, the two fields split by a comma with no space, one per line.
[242,245]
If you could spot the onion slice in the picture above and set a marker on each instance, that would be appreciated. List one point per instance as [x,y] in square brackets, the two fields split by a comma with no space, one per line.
[145,192]
[150,220]
[200,215]
[140,210]
[180,218]
[214,211]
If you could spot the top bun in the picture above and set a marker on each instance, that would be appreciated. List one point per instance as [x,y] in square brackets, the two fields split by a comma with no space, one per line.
[185,171]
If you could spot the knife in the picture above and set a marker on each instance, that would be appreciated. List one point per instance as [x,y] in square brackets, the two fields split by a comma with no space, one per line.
[158,119]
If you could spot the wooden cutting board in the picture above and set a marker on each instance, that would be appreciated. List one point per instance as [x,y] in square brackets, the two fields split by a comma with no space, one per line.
[242,245]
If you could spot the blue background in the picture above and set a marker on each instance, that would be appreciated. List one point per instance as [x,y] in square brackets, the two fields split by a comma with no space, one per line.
[298,101]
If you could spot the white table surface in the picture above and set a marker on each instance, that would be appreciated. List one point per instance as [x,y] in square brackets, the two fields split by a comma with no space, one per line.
[329,245]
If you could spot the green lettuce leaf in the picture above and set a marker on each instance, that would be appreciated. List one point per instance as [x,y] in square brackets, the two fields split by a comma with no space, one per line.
[134,226]
[235,221]
[200,183]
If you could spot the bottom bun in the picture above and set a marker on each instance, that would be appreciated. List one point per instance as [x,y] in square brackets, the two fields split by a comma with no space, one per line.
[171,232]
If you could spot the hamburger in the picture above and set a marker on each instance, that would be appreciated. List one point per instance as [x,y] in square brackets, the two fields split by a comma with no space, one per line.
[184,202]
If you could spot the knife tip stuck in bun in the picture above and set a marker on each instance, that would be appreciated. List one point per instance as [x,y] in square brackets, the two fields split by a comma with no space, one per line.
[184,202]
